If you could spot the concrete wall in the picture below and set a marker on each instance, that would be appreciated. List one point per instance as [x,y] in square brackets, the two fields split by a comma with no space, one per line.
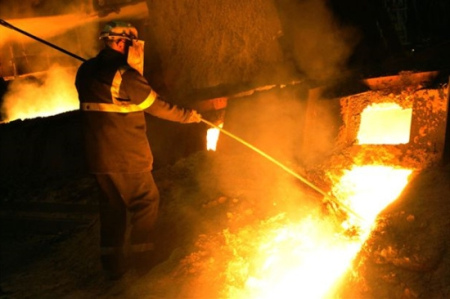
[204,44]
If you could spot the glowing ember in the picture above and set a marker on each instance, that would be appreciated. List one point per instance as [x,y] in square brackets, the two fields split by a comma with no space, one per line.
[385,123]
[212,136]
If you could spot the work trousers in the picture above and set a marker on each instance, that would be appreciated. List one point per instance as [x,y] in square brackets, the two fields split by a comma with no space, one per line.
[138,194]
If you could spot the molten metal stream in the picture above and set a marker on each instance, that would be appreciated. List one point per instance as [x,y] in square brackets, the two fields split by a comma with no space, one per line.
[285,168]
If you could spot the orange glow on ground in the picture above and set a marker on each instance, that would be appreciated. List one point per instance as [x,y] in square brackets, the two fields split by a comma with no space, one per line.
[385,123]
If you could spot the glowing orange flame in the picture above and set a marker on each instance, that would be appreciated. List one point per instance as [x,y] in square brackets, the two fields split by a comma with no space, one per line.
[385,123]
[212,136]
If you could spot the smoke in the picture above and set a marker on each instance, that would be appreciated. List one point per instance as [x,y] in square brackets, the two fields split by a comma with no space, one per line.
[75,33]
[293,130]
[43,77]
[319,45]
[273,122]
[40,97]
[46,27]
[74,29]
[42,27]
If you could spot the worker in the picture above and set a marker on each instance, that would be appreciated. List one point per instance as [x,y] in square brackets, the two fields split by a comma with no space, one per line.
[114,97]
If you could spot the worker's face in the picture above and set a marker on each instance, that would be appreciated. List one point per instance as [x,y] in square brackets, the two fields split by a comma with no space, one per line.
[122,45]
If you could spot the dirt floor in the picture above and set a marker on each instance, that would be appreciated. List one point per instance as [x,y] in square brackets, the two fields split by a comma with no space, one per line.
[214,210]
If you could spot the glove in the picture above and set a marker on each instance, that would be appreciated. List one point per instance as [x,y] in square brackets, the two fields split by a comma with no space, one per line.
[194,117]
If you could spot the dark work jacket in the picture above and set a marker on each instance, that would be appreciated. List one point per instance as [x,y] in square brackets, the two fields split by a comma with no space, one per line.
[113,99]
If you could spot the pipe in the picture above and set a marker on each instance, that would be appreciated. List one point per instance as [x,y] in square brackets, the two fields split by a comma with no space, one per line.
[8,25]
[327,196]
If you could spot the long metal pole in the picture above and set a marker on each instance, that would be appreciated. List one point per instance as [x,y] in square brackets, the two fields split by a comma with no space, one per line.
[8,25]
[284,167]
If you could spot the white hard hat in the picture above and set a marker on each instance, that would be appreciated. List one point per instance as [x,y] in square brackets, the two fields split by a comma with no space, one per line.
[119,29]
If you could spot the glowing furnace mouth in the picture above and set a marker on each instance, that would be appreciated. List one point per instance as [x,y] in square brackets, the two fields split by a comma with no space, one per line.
[385,123]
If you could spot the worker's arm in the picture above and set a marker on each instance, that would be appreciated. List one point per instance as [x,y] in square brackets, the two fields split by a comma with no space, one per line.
[141,93]
[166,110]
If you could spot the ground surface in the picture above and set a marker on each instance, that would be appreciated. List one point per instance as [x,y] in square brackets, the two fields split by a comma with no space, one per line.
[211,202]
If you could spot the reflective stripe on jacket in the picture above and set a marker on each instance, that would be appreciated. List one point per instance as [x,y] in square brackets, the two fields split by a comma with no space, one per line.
[120,107]
[113,97]
[118,104]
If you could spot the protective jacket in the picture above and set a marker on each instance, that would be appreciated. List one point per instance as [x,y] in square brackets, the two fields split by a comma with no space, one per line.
[114,97]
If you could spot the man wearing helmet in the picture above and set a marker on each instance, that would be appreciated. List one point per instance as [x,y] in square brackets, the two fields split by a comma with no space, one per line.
[113,99]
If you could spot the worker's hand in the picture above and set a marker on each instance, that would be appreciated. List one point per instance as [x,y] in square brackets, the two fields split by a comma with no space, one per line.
[194,117]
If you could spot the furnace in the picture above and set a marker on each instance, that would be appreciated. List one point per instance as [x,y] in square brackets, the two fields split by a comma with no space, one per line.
[401,123]
[410,124]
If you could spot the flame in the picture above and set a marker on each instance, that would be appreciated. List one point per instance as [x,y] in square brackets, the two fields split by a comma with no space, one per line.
[385,123]
[212,136]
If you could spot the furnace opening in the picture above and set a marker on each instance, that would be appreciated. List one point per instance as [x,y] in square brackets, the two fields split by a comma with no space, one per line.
[385,123]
